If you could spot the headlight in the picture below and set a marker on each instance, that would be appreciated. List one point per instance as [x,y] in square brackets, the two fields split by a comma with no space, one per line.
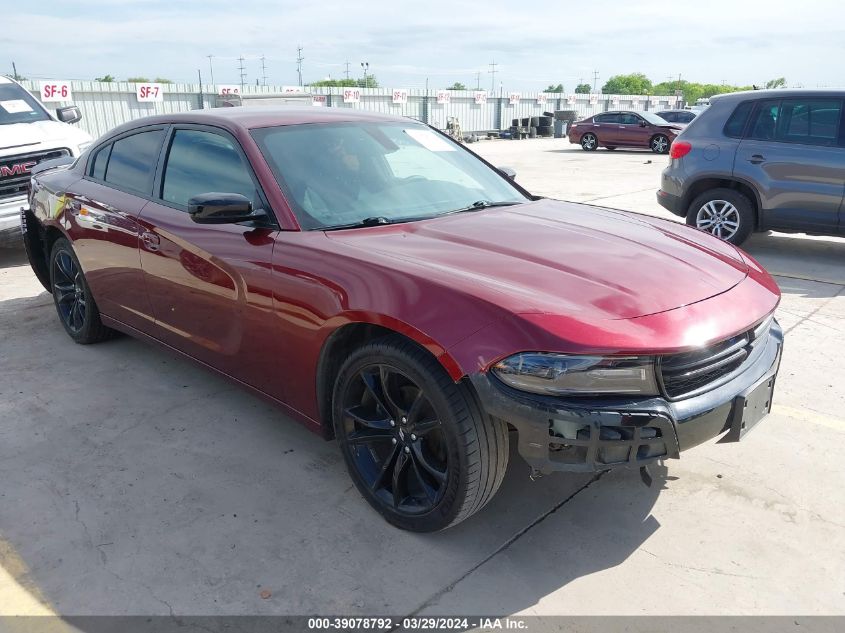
[558,374]
[83,146]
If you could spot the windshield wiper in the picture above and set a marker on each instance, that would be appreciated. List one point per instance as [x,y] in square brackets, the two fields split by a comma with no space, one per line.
[372,221]
[478,205]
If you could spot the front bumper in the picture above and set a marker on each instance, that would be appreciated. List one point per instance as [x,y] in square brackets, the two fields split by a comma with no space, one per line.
[10,220]
[580,435]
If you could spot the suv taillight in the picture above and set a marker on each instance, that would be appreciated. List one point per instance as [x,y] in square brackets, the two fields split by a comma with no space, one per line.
[679,149]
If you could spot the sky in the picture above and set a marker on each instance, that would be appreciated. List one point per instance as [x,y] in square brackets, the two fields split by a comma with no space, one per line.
[534,44]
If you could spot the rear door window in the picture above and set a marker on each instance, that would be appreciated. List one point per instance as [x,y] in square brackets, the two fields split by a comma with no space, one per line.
[765,122]
[606,118]
[132,163]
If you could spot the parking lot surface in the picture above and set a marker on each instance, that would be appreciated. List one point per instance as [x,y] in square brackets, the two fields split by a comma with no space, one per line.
[134,482]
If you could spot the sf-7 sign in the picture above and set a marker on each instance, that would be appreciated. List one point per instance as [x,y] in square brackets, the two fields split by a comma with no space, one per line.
[147,93]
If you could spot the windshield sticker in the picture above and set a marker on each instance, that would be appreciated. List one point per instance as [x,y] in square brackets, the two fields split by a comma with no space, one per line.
[430,140]
[14,106]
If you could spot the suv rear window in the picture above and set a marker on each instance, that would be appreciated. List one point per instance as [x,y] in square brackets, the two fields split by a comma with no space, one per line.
[736,123]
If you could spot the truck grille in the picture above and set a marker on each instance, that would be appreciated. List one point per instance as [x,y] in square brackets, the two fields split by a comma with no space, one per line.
[14,170]
[690,373]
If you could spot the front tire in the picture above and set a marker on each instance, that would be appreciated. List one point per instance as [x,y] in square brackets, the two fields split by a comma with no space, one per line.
[589,142]
[75,305]
[415,443]
[659,144]
[723,212]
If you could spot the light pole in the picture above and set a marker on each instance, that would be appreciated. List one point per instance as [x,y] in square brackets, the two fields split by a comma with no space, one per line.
[211,68]
[366,67]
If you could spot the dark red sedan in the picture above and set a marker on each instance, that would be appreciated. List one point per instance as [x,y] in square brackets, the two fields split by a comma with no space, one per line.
[386,287]
[624,129]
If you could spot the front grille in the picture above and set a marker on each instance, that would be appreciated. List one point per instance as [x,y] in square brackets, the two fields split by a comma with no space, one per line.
[14,179]
[690,373]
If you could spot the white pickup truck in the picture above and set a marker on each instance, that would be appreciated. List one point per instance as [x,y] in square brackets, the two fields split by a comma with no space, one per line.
[29,135]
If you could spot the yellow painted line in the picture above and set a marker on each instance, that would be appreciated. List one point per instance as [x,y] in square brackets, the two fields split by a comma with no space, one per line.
[808,415]
[18,594]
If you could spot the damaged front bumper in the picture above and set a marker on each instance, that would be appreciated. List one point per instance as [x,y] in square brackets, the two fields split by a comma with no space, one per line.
[594,434]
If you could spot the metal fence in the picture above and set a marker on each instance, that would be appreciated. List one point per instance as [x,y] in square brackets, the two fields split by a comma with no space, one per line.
[106,105]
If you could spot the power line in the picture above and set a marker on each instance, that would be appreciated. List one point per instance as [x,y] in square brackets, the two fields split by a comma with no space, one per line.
[299,59]
[243,72]
[492,72]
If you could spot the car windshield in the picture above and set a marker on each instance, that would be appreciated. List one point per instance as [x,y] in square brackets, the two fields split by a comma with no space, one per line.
[652,118]
[18,106]
[337,175]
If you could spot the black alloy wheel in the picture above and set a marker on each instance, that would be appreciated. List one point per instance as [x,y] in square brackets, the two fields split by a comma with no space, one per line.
[415,442]
[75,305]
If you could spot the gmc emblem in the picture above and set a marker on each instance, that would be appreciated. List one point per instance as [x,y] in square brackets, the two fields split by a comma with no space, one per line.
[16,170]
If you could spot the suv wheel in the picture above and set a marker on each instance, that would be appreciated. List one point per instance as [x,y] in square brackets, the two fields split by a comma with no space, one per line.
[415,443]
[725,213]
[589,142]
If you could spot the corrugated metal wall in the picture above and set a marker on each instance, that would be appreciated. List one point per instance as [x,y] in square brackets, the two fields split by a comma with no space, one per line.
[106,105]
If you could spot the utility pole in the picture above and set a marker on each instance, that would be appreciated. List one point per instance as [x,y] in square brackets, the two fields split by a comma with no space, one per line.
[263,71]
[14,72]
[299,59]
[492,72]
[199,78]
[243,72]
[478,80]
[595,79]
[347,69]
[211,68]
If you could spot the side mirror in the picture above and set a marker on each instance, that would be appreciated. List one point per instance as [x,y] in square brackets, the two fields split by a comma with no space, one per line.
[222,208]
[643,124]
[508,172]
[69,114]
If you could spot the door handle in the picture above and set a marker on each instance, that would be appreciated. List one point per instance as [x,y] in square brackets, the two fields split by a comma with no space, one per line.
[756,159]
[150,240]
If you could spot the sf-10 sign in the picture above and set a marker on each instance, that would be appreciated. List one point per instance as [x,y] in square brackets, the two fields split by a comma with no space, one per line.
[352,95]
[149,93]
[55,91]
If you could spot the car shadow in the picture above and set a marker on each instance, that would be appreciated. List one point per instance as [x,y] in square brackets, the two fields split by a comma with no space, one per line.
[801,257]
[143,484]
[12,256]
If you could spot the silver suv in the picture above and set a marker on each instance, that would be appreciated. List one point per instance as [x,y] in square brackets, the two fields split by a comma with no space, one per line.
[754,161]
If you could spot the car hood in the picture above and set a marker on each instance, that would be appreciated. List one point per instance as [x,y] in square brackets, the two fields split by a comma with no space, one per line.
[30,137]
[556,257]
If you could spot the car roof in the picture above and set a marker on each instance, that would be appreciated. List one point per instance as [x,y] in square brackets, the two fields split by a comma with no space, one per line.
[675,110]
[250,117]
[779,93]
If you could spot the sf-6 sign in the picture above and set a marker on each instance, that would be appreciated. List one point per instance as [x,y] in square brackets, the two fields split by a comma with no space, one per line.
[149,93]
[55,91]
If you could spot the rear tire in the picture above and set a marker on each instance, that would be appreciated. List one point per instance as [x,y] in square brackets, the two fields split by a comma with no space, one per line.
[75,305]
[416,444]
[589,142]
[723,212]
